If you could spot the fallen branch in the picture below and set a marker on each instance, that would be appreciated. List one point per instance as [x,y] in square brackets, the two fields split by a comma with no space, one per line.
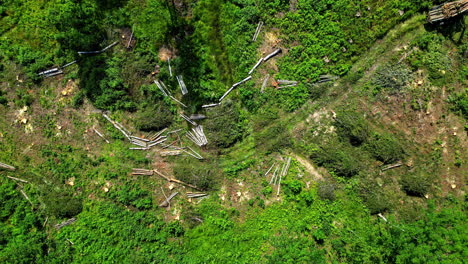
[98,51]
[167,201]
[271,55]
[176,181]
[17,179]
[99,134]
[391,166]
[65,223]
[6,166]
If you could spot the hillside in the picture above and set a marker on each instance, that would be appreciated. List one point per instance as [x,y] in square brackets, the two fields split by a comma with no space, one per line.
[282,131]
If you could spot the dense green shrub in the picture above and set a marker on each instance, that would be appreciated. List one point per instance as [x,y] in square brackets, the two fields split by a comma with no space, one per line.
[204,175]
[385,148]
[352,127]
[459,103]
[344,160]
[154,117]
[416,183]
[224,126]
[391,77]
[326,190]
[61,204]
[133,195]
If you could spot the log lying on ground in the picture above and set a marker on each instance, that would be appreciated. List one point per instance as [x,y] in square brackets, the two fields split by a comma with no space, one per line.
[326,78]
[17,179]
[197,117]
[271,55]
[162,87]
[182,86]
[65,223]
[210,105]
[177,101]
[130,40]
[119,127]
[176,181]
[167,201]
[188,120]
[234,86]
[194,153]
[55,71]
[196,195]
[98,51]
[265,82]
[6,166]
[169,64]
[257,30]
[170,153]
[256,65]
[100,135]
[392,166]
[283,174]
[268,171]
[447,10]
[145,172]
[197,136]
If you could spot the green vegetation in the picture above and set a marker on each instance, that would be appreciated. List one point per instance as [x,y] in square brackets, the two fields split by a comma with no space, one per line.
[377,172]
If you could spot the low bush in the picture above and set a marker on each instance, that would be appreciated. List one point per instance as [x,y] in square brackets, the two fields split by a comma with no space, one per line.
[391,77]
[153,118]
[384,148]
[416,183]
[202,176]
[352,127]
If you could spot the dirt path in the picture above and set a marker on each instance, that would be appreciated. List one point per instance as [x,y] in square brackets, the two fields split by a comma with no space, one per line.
[308,166]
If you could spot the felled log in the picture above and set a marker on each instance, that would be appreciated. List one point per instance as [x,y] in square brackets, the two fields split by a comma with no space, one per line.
[255,66]
[169,64]
[182,86]
[196,195]
[188,120]
[6,166]
[17,179]
[166,201]
[388,167]
[234,86]
[257,30]
[119,127]
[65,223]
[99,134]
[170,153]
[197,117]
[68,64]
[265,82]
[177,101]
[271,55]
[98,51]
[176,181]
[266,174]
[159,84]
[145,172]
[447,10]
[197,136]
[326,78]
[210,105]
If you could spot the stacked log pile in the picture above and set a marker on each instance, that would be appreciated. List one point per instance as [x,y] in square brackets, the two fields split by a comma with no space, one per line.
[447,10]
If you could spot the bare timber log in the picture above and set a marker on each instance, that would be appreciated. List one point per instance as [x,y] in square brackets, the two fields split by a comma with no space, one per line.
[256,65]
[100,135]
[6,166]
[392,166]
[271,55]
[17,179]
[65,223]
[176,181]
[447,10]
[257,30]
[210,105]
[98,51]
[167,201]
[144,172]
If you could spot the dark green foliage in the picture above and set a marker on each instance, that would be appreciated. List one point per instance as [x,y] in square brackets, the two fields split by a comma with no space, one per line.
[385,148]
[459,103]
[21,236]
[133,195]
[416,183]
[61,204]
[155,117]
[326,190]
[224,127]
[352,126]
[391,77]
[344,160]
[203,175]
[273,138]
